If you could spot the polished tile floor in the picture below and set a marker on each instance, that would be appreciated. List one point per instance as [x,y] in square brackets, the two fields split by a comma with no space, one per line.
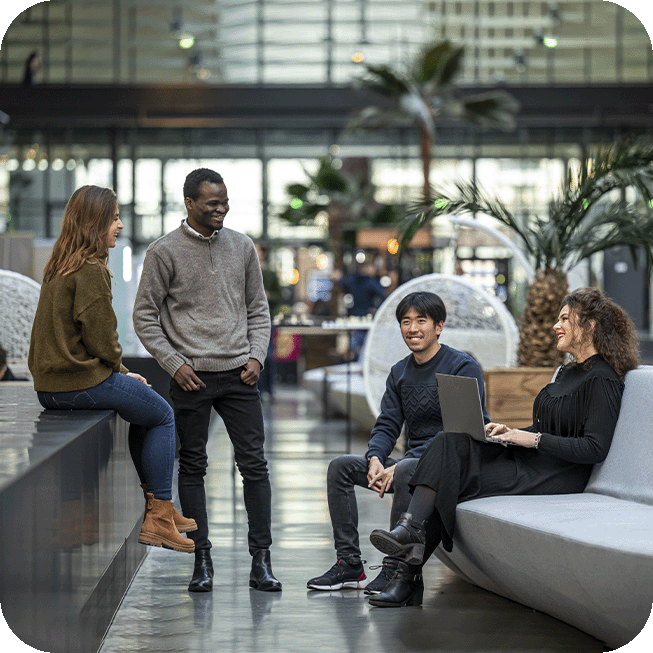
[158,614]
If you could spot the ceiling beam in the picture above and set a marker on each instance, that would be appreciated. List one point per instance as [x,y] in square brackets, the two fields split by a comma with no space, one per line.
[291,107]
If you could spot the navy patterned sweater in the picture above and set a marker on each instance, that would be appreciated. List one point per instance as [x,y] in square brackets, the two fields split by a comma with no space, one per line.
[411,396]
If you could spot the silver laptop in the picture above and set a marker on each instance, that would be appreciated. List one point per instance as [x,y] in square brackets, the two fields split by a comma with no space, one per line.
[460,405]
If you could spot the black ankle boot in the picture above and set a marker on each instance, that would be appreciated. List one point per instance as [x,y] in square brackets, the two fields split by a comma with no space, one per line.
[406,539]
[404,589]
[261,577]
[202,580]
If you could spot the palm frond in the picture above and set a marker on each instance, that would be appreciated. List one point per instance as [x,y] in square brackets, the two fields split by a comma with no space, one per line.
[431,60]
[297,190]
[383,80]
[328,179]
[580,223]
[617,225]
[626,163]
[493,109]
[463,198]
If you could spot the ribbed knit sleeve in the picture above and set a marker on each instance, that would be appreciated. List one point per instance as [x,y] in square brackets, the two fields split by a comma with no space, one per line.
[94,314]
[152,292]
[411,398]
[390,421]
[258,310]
[74,344]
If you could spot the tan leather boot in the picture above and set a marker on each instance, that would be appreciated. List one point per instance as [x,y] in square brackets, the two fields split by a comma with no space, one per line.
[183,524]
[159,528]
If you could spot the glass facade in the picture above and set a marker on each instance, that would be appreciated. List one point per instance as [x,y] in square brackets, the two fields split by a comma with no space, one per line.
[322,41]
[276,43]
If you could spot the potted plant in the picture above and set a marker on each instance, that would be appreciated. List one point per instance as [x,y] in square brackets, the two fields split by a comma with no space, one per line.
[585,218]
[345,196]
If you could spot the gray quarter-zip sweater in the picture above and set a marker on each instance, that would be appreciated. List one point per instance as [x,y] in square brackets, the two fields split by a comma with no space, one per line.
[201,301]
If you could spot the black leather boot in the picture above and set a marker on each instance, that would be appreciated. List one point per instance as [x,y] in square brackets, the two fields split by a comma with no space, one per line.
[406,539]
[405,588]
[261,577]
[202,580]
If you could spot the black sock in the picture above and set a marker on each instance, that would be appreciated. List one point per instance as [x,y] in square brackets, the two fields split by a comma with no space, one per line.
[422,504]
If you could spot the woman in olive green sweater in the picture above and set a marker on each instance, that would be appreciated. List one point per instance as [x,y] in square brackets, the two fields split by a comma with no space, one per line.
[75,357]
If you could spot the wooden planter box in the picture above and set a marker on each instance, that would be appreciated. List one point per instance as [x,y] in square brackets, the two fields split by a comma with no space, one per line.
[510,391]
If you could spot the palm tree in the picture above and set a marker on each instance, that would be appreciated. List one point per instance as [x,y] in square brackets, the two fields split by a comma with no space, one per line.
[348,200]
[582,221]
[423,91]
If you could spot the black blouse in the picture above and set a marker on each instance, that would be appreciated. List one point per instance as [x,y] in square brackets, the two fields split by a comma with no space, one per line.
[578,412]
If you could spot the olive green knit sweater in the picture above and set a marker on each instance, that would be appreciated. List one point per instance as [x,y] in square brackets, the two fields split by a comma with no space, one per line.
[74,344]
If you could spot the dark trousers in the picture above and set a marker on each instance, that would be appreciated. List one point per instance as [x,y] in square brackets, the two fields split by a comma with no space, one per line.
[239,406]
[348,471]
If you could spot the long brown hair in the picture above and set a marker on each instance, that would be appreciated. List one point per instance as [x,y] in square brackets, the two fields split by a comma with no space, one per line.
[614,335]
[83,238]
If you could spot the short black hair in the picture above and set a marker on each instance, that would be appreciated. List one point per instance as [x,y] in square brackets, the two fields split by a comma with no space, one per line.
[425,303]
[3,358]
[196,178]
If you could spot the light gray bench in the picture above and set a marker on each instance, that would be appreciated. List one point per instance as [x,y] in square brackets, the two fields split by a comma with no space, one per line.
[586,559]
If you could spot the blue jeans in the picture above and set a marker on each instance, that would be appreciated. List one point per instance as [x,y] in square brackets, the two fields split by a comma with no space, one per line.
[152,424]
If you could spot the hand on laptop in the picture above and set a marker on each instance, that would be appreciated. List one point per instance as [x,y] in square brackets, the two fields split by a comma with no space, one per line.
[493,429]
[504,435]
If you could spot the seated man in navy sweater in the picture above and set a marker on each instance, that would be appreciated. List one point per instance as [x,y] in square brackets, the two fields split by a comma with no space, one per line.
[411,397]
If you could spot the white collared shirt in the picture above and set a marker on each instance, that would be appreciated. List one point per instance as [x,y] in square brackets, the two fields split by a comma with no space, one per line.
[197,233]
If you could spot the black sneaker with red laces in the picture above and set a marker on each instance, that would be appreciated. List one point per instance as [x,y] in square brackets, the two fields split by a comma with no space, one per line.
[343,575]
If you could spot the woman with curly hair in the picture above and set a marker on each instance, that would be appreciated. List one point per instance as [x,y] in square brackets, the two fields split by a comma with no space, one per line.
[574,418]
[75,357]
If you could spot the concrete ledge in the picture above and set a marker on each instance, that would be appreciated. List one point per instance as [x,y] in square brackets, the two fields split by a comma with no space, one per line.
[70,513]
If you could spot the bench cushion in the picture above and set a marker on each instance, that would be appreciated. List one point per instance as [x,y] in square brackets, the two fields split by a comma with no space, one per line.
[627,472]
[583,558]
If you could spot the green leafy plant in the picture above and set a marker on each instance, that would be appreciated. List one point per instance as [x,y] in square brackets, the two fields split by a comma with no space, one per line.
[422,91]
[348,200]
[585,218]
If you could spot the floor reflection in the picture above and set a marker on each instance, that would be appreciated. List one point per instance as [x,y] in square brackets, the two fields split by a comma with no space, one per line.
[158,614]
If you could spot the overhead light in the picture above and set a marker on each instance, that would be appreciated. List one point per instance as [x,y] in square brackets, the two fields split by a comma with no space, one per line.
[186,42]
[322,261]
[358,57]
[546,41]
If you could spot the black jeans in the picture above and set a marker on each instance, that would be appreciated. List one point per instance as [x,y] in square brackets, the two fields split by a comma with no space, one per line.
[239,406]
[345,472]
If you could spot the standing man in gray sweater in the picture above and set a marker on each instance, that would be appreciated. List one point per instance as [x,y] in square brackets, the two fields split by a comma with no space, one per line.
[201,311]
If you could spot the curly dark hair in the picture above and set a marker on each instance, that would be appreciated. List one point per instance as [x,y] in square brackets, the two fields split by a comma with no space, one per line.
[614,335]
